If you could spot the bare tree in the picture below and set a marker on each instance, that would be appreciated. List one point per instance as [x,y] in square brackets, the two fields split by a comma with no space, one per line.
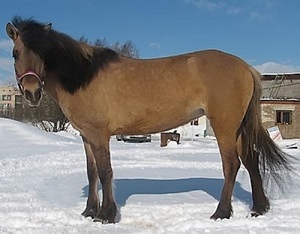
[48,116]
[127,49]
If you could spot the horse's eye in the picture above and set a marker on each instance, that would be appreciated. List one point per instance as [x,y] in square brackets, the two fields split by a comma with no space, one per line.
[15,54]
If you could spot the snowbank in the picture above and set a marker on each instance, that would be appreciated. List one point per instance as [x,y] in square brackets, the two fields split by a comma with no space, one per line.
[174,189]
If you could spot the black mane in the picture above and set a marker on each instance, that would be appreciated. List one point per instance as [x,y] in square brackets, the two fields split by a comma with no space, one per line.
[63,55]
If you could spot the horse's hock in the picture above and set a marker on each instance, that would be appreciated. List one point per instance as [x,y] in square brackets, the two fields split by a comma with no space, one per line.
[166,137]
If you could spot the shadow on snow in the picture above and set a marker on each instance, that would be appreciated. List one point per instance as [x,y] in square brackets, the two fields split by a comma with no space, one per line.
[127,187]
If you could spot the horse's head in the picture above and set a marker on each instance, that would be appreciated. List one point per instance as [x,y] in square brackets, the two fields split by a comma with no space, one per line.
[29,68]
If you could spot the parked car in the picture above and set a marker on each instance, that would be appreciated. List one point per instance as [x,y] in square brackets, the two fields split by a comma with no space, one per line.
[134,138]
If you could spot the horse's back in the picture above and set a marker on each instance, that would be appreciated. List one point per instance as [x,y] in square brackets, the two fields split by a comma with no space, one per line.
[157,94]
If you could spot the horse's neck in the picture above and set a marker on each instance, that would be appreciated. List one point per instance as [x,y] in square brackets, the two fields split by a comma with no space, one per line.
[53,88]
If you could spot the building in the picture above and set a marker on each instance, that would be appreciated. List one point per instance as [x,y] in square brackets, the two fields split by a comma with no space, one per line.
[10,101]
[280,103]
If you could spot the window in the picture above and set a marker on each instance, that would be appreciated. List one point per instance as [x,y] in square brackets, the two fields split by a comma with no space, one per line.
[195,122]
[284,117]
[6,97]
[7,105]
[18,98]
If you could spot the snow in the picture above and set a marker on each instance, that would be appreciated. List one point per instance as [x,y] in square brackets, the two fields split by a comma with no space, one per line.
[175,189]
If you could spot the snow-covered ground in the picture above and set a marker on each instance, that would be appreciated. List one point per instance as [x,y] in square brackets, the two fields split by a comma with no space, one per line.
[43,187]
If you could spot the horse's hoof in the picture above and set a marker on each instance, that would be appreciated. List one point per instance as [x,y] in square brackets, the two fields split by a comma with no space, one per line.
[100,220]
[254,214]
[103,220]
[216,217]
[89,212]
[221,214]
[106,215]
[260,210]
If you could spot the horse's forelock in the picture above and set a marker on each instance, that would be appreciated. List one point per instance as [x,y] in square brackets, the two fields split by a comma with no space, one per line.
[32,34]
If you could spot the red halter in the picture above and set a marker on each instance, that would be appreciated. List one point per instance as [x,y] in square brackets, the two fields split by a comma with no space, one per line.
[28,73]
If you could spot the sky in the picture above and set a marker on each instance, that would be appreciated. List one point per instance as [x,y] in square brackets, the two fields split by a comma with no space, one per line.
[264,33]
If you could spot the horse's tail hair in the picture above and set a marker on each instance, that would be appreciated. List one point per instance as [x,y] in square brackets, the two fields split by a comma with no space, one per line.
[274,164]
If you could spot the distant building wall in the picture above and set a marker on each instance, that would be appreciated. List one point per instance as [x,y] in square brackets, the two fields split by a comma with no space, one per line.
[281,113]
[10,100]
[284,114]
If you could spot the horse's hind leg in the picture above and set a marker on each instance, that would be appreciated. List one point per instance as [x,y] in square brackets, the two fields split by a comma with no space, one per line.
[226,137]
[260,202]
[93,204]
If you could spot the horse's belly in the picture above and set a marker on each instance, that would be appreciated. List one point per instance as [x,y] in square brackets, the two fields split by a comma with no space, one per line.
[159,122]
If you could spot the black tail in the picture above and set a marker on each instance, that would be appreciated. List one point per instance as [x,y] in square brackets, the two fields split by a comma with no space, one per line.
[275,165]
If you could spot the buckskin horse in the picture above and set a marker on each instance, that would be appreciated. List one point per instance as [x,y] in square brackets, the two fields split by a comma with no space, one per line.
[103,93]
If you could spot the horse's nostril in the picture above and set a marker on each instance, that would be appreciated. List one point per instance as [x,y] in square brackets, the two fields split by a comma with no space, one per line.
[38,95]
[28,95]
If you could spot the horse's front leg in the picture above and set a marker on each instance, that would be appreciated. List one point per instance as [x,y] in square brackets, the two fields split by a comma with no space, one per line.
[93,204]
[108,211]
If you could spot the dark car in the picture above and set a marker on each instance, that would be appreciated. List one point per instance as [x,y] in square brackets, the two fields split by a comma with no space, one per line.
[134,138]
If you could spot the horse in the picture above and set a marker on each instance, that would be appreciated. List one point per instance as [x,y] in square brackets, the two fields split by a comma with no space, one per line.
[103,94]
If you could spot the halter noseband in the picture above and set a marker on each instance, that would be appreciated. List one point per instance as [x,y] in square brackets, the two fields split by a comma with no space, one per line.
[28,73]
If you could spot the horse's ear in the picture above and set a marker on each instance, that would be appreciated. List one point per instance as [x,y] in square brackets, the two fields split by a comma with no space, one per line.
[12,31]
[48,27]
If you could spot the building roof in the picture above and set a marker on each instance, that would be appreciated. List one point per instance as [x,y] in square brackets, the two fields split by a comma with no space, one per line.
[9,89]
[281,86]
